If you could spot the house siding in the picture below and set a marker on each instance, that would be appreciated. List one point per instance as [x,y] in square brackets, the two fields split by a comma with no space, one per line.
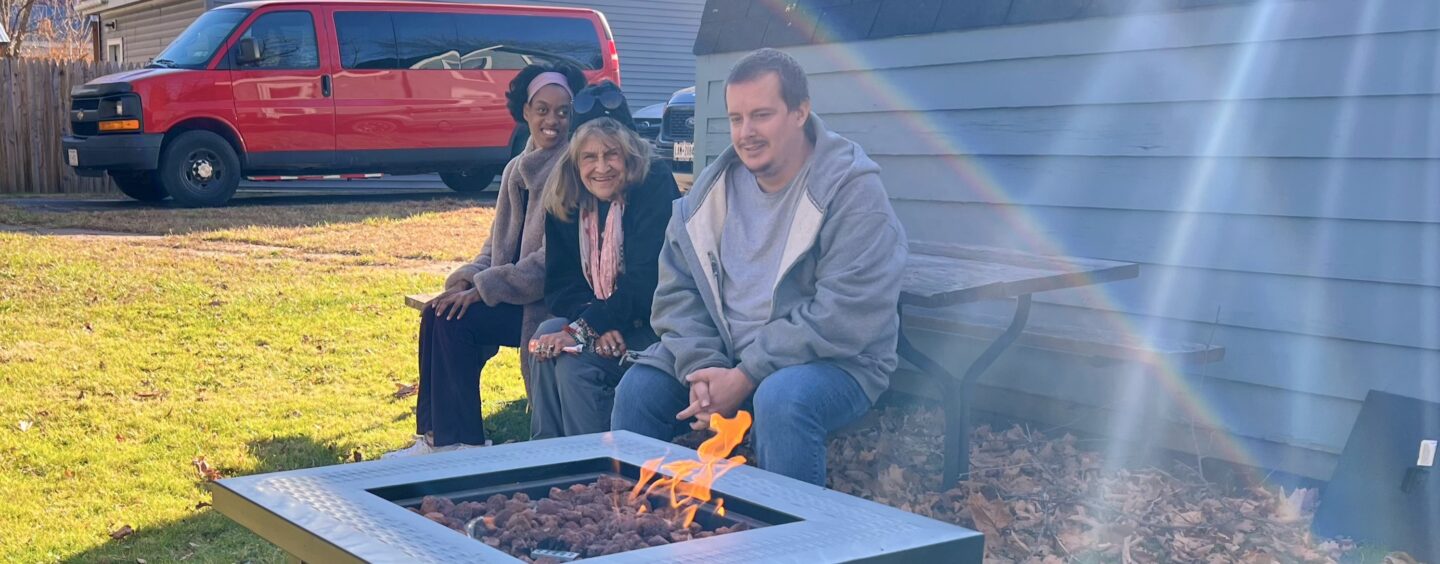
[148,27]
[655,40]
[1274,167]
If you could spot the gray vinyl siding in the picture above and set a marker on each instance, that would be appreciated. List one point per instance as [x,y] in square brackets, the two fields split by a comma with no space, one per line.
[655,40]
[148,27]
[1273,167]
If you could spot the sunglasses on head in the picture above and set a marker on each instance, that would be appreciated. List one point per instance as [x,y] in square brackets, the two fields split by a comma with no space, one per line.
[608,99]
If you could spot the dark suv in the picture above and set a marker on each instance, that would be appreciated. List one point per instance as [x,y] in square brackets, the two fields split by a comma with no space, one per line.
[677,131]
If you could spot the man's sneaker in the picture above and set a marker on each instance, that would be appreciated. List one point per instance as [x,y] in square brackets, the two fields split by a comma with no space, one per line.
[458,446]
[421,446]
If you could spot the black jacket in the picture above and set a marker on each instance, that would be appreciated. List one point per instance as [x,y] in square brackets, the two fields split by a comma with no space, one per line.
[568,293]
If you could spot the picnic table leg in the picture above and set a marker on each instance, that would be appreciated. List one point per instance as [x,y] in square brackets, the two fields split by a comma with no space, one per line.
[958,392]
[961,394]
[954,410]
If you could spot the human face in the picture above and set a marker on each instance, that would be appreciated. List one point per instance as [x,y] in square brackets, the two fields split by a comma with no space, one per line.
[548,115]
[768,136]
[602,167]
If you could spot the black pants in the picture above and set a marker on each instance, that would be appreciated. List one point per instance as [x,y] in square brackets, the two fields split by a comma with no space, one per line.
[452,353]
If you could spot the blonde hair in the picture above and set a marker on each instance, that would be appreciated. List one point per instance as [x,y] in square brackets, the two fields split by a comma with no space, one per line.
[565,191]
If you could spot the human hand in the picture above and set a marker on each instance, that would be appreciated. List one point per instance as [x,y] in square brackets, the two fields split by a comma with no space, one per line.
[721,390]
[454,304]
[610,345]
[699,405]
[546,347]
[459,285]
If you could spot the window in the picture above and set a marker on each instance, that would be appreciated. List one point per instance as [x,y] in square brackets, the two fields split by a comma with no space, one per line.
[115,50]
[511,42]
[286,41]
[432,41]
[427,41]
[367,40]
[197,45]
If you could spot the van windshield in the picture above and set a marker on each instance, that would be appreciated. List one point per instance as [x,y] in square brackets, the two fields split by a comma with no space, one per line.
[198,43]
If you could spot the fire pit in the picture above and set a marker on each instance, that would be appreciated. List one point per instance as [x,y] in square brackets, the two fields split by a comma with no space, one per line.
[419,509]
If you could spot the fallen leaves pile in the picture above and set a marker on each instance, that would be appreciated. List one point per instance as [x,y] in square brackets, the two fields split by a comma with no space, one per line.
[1042,499]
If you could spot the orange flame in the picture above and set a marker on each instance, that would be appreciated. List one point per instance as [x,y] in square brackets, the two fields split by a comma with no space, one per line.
[689,482]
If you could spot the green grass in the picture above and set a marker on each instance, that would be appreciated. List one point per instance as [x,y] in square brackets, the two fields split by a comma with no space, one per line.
[443,229]
[127,360]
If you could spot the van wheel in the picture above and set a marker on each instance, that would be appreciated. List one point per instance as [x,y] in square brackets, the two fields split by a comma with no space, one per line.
[469,181]
[139,185]
[199,169]
[522,137]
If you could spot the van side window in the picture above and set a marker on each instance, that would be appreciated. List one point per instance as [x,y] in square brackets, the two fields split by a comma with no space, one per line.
[511,42]
[367,40]
[426,41]
[286,41]
[435,41]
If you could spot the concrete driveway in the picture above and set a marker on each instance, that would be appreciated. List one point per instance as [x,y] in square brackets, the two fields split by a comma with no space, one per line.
[284,193]
[292,192]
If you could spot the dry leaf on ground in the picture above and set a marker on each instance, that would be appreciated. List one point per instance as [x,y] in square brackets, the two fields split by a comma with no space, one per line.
[206,472]
[122,532]
[1047,499]
[403,391]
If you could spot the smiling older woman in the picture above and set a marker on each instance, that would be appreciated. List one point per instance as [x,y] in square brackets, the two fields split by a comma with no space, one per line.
[608,203]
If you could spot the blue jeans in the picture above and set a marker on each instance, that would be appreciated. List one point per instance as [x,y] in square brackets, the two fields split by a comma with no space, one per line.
[794,408]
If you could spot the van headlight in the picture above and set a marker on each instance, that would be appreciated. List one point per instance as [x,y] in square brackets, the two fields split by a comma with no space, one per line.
[120,106]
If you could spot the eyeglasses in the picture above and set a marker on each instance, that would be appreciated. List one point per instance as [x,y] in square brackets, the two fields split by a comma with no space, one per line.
[609,99]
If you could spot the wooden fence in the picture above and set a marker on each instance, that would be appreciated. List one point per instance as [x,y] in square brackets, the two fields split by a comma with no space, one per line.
[34,115]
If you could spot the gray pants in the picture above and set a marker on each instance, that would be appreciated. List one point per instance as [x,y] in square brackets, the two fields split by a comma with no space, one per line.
[574,394]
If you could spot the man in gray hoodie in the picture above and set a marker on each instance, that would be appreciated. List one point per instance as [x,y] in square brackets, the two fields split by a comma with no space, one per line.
[778,285]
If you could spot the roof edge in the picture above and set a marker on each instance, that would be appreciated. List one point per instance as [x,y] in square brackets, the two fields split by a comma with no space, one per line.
[730,26]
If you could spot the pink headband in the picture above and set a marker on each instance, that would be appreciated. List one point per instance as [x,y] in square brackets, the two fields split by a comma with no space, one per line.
[545,78]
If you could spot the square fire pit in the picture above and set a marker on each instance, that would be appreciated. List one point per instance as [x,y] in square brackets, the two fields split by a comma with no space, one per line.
[358,512]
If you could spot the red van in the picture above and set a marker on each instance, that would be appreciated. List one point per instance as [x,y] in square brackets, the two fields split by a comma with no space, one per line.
[287,87]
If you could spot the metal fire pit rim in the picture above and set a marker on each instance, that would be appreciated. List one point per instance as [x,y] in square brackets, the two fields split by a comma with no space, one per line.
[332,507]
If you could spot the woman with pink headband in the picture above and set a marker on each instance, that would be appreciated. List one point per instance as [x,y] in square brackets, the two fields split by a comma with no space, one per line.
[498,299]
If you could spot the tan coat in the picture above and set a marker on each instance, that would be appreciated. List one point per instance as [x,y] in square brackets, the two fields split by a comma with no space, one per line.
[499,275]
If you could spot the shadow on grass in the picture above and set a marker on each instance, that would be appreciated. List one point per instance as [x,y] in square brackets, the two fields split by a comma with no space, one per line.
[209,536]
[511,423]
[273,211]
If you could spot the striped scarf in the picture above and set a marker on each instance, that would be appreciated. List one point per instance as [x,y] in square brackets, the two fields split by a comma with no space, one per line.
[602,259]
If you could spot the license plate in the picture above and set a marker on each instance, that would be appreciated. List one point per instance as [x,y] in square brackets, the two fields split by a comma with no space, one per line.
[684,151]
[73,157]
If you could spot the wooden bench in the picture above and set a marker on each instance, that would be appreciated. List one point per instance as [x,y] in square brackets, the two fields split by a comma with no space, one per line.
[1110,347]
[942,274]
[418,301]
[1104,345]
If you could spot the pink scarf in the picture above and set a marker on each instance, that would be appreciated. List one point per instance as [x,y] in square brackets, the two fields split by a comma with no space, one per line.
[602,259]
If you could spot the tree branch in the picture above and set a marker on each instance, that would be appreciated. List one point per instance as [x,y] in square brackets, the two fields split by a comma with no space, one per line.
[20,24]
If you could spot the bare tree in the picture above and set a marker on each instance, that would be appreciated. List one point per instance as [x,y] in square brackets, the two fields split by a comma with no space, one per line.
[16,14]
[54,27]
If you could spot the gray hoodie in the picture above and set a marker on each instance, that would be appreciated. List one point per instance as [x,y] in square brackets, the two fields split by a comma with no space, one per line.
[835,293]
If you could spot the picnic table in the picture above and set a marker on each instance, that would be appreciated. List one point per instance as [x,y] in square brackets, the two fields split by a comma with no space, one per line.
[941,274]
